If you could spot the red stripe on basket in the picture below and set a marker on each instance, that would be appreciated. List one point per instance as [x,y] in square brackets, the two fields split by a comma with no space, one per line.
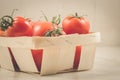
[77,57]
[16,67]
[37,56]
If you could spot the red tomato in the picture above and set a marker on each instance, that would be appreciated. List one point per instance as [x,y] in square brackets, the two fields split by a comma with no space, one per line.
[40,28]
[20,27]
[37,56]
[73,25]
[1,32]
[77,57]
[19,18]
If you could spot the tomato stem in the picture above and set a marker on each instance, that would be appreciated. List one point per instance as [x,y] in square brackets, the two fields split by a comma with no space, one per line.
[13,12]
[55,32]
[76,15]
[44,15]
[5,22]
[56,20]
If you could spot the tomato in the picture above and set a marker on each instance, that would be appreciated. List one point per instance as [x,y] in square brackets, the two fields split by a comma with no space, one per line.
[40,28]
[19,18]
[75,24]
[1,32]
[20,27]
[37,56]
[77,57]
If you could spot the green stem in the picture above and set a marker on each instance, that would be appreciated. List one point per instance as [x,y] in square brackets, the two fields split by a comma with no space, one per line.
[5,22]
[44,16]
[76,15]
[13,12]
[56,20]
[54,33]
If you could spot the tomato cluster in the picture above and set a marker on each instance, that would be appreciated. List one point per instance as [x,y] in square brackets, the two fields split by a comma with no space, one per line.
[20,26]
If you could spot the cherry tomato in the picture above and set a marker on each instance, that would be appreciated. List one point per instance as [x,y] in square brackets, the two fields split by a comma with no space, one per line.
[77,57]
[20,27]
[37,56]
[40,28]
[75,24]
[1,32]
[19,18]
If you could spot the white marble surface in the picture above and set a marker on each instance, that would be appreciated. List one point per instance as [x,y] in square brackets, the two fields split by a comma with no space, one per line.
[106,67]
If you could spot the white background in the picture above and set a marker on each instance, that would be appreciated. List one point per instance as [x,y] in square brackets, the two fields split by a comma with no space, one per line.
[104,15]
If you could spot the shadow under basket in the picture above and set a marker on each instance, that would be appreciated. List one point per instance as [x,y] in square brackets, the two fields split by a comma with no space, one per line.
[49,55]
